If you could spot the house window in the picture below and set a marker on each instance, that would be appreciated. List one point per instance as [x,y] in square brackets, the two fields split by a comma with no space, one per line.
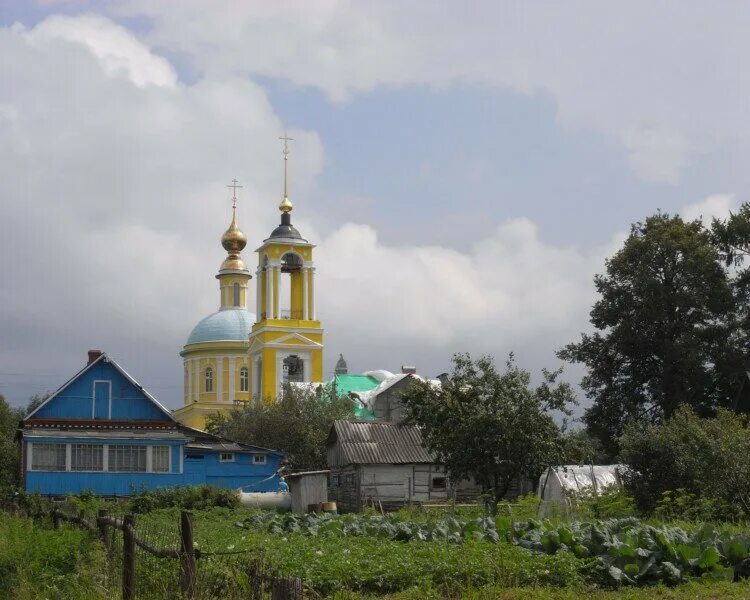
[127,459]
[226,457]
[335,480]
[236,294]
[209,379]
[439,483]
[259,459]
[350,478]
[160,459]
[47,457]
[243,379]
[86,457]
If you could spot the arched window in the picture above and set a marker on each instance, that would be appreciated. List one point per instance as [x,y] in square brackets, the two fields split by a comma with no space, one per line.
[209,379]
[294,369]
[236,292]
[243,379]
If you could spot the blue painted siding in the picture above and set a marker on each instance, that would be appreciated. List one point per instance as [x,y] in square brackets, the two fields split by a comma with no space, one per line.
[199,467]
[105,484]
[242,472]
[77,400]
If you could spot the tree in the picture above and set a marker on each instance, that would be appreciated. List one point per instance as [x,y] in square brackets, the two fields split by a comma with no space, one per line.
[705,457]
[663,336]
[9,449]
[488,426]
[298,423]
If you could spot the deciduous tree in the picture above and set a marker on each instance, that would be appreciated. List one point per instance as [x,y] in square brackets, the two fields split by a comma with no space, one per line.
[664,329]
[488,426]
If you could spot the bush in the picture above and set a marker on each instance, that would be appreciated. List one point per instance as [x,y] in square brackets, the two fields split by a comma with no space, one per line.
[681,505]
[706,458]
[189,497]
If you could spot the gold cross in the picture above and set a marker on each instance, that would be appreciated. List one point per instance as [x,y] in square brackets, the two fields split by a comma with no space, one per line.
[285,152]
[234,187]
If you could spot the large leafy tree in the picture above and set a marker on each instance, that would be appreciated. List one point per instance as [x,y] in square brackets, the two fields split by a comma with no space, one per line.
[489,426]
[664,333]
[297,423]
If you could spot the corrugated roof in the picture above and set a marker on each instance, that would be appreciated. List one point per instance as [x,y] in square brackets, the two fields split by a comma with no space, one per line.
[379,442]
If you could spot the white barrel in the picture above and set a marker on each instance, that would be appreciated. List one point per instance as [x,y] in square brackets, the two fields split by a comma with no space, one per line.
[272,500]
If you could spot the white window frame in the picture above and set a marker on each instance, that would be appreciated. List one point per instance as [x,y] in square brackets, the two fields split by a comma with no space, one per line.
[244,379]
[229,454]
[30,458]
[260,459]
[150,459]
[208,380]
[93,397]
[146,452]
[104,460]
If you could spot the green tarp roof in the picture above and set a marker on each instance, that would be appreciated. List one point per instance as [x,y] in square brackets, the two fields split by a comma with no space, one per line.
[356,383]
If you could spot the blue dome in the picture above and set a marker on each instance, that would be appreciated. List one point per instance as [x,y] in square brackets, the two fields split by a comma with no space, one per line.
[229,324]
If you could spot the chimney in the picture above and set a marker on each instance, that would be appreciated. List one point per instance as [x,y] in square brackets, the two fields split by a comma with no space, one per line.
[408,370]
[93,355]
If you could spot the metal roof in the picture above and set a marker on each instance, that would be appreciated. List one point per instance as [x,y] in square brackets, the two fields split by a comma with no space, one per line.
[230,324]
[379,442]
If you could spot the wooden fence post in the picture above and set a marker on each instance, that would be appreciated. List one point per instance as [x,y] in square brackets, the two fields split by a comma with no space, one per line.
[55,519]
[101,525]
[128,558]
[287,588]
[187,556]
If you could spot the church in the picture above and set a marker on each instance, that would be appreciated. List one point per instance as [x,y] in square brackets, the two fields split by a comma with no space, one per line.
[234,356]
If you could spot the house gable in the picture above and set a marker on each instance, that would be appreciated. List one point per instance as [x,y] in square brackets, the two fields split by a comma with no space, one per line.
[102,391]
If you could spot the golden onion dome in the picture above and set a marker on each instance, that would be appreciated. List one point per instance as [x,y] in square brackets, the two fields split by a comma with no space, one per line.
[233,241]
[286,205]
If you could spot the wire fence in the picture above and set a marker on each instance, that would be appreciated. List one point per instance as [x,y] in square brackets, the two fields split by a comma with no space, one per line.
[161,561]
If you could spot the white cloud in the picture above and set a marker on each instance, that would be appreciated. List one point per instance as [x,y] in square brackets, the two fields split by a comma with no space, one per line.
[662,79]
[717,206]
[112,180]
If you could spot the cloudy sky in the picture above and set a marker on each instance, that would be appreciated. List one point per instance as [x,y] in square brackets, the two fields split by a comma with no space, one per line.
[464,168]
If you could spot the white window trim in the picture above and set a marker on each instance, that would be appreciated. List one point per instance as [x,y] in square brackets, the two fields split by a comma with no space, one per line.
[93,397]
[105,458]
[263,461]
[69,454]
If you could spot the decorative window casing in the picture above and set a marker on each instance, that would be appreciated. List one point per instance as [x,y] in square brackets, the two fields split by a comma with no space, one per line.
[209,379]
[47,457]
[86,457]
[244,379]
[160,459]
[127,459]
[259,459]
[226,457]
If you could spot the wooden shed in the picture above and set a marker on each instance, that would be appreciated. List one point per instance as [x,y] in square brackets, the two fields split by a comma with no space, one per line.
[307,488]
[381,463]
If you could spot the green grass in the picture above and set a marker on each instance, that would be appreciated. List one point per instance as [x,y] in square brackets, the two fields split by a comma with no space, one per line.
[37,562]
[41,563]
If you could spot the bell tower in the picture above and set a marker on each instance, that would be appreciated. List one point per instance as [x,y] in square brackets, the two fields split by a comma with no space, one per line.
[286,341]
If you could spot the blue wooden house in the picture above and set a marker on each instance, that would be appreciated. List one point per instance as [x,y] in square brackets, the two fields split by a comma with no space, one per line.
[101,431]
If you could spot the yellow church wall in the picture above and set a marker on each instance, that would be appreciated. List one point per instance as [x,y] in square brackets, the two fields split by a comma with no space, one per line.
[275,251]
[268,356]
[317,365]
[296,293]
